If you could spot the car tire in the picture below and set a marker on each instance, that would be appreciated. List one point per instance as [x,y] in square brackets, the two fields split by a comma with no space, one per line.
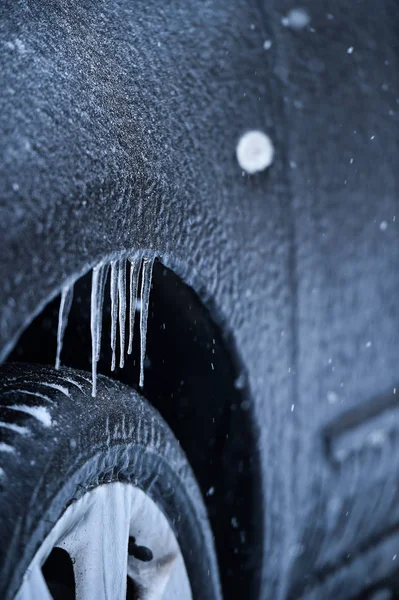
[58,445]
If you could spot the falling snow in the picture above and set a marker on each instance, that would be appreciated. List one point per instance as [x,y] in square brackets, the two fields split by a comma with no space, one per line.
[297,18]
[383,225]
[239,383]
[377,438]
[332,397]
[255,152]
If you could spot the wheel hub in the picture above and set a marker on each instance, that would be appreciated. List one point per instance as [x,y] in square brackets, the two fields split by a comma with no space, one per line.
[121,546]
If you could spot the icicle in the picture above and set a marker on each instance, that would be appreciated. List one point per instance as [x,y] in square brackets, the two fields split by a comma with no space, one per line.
[94,318]
[135,264]
[146,276]
[122,309]
[99,278]
[65,307]
[103,280]
[114,309]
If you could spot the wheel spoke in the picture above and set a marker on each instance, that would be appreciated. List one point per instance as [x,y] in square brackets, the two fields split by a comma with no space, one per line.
[164,576]
[99,544]
[34,586]
[110,533]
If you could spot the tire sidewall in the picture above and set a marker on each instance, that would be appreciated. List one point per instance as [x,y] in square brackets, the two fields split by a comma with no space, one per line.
[120,439]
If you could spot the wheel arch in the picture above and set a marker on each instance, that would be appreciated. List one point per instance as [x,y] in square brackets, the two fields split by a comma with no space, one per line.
[200,387]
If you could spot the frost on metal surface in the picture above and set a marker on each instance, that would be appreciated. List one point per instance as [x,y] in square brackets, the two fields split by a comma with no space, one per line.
[120,305]
[65,307]
[146,277]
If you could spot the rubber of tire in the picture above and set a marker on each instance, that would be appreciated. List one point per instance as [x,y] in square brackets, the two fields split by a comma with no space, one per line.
[83,442]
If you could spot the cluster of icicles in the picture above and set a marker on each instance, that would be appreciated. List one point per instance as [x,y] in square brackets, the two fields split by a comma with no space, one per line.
[118,270]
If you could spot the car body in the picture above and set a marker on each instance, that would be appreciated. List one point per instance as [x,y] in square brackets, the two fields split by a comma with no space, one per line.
[119,131]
